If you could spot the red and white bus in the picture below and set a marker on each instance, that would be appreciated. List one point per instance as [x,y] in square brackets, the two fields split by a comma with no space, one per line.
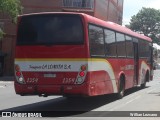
[77,54]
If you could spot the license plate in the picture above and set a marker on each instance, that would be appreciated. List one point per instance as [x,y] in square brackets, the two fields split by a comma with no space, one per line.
[50,75]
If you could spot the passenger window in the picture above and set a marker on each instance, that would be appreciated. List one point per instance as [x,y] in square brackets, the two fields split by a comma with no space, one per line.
[129,47]
[110,42]
[143,48]
[121,50]
[96,39]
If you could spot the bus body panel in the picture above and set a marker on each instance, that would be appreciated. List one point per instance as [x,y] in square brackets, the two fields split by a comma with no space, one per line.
[50,71]
[62,51]
[96,82]
[125,66]
[143,68]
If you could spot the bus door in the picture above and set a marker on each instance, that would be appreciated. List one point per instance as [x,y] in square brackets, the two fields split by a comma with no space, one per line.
[136,60]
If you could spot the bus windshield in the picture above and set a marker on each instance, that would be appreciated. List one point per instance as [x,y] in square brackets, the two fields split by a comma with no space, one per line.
[50,29]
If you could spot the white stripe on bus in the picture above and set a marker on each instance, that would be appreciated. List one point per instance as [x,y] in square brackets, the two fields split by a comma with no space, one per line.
[48,66]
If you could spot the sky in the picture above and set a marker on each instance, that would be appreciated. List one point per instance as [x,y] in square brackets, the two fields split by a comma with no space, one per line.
[132,7]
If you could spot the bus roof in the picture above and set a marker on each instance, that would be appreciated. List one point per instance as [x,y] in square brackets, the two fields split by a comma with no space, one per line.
[116,27]
[107,24]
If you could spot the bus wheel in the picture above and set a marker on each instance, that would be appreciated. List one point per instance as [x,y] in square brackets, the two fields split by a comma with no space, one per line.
[121,90]
[143,85]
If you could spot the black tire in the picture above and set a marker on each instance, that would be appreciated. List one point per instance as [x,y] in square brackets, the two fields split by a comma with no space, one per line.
[143,85]
[121,90]
[145,80]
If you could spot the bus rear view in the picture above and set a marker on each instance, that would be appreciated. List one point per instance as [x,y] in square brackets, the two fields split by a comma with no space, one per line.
[51,55]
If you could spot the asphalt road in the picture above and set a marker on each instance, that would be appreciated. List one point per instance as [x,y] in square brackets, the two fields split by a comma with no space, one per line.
[136,99]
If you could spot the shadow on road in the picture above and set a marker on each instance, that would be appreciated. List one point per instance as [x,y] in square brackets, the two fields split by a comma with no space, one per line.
[67,104]
[133,90]
[78,105]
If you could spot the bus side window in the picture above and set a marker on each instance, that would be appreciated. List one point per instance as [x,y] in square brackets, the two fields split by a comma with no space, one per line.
[121,50]
[96,39]
[144,49]
[110,42]
[129,47]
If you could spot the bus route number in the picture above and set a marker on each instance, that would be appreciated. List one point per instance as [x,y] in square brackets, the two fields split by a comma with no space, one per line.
[32,80]
[68,80]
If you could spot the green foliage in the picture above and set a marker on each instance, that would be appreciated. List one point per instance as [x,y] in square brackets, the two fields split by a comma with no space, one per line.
[11,7]
[147,21]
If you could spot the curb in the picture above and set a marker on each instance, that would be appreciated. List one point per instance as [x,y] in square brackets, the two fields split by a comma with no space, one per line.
[7,78]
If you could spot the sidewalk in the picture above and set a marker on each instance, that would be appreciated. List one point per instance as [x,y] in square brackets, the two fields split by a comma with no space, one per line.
[6,78]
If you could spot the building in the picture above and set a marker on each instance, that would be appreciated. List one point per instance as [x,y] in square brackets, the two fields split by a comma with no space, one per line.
[108,10]
[111,10]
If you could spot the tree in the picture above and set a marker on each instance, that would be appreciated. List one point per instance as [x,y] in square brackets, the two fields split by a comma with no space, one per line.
[147,22]
[12,8]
